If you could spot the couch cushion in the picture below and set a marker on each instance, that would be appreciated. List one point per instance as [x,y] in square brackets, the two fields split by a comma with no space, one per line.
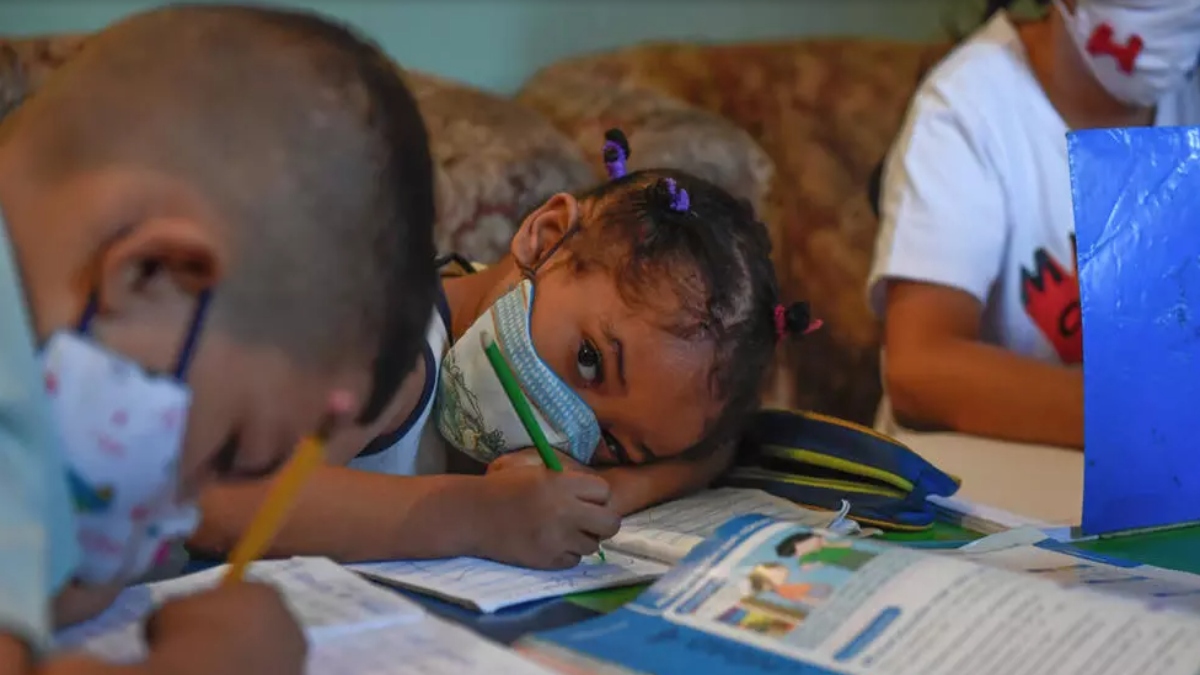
[25,62]
[496,161]
[663,132]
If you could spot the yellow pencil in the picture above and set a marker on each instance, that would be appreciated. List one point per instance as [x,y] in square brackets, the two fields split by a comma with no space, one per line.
[280,498]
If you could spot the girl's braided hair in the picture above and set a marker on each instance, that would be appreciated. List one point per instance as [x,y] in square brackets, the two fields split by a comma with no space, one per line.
[665,234]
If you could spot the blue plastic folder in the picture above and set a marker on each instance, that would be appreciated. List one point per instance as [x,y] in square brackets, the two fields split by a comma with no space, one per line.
[1137,222]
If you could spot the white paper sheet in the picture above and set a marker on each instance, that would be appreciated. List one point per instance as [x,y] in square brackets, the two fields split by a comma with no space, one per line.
[430,647]
[326,599]
[489,586]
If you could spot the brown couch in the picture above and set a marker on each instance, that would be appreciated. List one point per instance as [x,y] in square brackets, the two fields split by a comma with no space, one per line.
[824,113]
[796,127]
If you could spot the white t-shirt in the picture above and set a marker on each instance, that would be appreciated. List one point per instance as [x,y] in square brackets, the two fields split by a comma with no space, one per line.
[415,447]
[977,195]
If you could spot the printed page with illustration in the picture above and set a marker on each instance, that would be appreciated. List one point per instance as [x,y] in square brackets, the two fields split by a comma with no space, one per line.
[767,597]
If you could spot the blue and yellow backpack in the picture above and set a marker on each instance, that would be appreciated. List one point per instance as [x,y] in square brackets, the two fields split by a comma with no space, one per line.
[818,461]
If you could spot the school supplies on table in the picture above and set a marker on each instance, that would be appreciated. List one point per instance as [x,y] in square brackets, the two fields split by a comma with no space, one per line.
[668,532]
[820,461]
[1028,552]
[647,544]
[352,625]
[764,596]
[487,586]
[280,497]
[431,646]
[326,599]
[981,518]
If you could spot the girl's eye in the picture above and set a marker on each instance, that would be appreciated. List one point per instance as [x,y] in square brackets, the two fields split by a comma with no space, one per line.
[589,363]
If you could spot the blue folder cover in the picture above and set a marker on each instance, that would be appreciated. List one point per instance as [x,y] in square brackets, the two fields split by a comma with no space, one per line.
[1137,220]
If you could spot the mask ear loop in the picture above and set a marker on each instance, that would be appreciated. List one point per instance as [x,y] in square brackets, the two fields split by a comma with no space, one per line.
[530,271]
[171,488]
[189,340]
[193,335]
[84,325]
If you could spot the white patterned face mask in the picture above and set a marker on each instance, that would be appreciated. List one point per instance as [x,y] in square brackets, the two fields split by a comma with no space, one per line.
[122,433]
[473,412]
[1139,50]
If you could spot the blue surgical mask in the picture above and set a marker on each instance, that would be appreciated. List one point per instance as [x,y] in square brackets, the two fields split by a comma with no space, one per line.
[473,412]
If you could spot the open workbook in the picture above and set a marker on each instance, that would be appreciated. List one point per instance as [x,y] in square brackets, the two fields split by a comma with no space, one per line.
[352,625]
[648,543]
[763,596]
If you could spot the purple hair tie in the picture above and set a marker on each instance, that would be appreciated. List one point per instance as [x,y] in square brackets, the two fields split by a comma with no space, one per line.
[679,196]
[616,153]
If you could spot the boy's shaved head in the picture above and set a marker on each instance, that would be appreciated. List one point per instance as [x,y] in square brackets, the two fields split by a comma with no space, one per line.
[303,140]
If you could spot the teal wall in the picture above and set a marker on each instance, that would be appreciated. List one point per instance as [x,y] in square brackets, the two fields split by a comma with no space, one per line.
[496,44]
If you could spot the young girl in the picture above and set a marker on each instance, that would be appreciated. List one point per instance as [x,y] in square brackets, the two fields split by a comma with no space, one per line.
[640,319]
[975,262]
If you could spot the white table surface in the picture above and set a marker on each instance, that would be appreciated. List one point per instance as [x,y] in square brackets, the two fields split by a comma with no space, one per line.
[1037,481]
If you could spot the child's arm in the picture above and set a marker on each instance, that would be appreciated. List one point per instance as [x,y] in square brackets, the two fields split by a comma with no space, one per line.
[638,487]
[534,518]
[14,655]
[351,515]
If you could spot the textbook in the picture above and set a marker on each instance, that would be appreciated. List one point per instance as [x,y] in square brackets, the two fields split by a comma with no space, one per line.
[648,543]
[764,596]
[352,625]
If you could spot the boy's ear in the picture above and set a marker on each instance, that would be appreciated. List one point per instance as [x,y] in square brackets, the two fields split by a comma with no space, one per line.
[157,265]
[544,228]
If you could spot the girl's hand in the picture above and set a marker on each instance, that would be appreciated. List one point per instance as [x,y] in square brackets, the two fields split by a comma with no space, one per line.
[533,517]
[530,457]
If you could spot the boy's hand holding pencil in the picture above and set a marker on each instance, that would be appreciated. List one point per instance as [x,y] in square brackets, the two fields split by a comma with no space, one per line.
[234,629]
[243,626]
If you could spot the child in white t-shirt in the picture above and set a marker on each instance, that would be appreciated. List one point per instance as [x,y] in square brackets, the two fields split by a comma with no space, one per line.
[974,269]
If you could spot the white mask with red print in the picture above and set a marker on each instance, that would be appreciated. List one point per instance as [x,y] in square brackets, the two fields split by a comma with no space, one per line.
[1139,50]
[122,433]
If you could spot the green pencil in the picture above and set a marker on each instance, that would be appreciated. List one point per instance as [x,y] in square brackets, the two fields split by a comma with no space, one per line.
[521,405]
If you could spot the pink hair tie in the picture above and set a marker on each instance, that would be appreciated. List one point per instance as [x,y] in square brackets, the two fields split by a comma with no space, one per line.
[787,322]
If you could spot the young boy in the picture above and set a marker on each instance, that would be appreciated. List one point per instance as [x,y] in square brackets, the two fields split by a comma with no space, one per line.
[206,219]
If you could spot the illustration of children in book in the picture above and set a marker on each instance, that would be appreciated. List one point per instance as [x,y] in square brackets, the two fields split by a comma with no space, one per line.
[812,550]
[756,621]
[774,603]
[769,581]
